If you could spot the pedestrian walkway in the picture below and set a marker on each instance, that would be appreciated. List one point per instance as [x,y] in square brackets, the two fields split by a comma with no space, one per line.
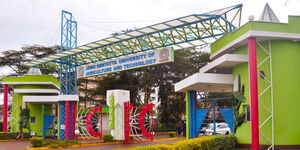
[14,145]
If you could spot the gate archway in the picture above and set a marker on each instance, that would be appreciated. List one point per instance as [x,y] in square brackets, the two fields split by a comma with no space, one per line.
[184,32]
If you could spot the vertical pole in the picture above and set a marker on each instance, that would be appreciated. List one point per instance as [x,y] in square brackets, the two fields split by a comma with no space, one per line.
[187,117]
[126,123]
[5,108]
[67,122]
[43,121]
[253,92]
[101,124]
[152,121]
[56,110]
[58,121]
[74,119]
[214,113]
[192,113]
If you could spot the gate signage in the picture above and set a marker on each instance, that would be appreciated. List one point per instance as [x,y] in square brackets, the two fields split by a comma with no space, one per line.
[137,60]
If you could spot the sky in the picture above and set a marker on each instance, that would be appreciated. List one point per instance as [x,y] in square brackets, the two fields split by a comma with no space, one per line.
[29,22]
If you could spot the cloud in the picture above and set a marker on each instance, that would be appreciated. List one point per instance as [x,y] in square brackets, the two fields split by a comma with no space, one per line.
[37,21]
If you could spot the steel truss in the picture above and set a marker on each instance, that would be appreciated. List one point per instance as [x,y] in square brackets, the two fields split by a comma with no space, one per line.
[68,73]
[265,93]
[189,31]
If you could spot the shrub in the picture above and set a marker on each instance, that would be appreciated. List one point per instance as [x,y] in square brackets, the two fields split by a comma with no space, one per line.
[172,134]
[108,138]
[61,143]
[53,145]
[12,135]
[36,141]
[220,142]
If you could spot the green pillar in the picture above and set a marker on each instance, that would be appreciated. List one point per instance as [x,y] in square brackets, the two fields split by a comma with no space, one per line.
[43,112]
[187,111]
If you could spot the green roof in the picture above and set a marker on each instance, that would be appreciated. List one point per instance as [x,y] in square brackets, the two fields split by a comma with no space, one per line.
[291,27]
[32,78]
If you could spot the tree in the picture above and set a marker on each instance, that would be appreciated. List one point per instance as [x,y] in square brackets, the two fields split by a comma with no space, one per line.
[16,59]
[187,62]
[163,77]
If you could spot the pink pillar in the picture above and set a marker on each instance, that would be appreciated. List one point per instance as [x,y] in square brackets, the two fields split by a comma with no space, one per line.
[5,108]
[74,120]
[67,122]
[253,92]
[56,110]
[126,122]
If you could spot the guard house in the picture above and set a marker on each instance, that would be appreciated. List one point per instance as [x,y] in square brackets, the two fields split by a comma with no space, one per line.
[39,94]
[259,60]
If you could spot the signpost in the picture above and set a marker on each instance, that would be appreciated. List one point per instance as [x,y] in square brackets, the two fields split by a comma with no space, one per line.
[125,63]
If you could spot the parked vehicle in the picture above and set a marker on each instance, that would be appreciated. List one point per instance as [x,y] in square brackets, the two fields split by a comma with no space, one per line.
[221,128]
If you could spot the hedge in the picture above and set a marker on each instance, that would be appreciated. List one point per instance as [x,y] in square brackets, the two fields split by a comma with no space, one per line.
[60,143]
[36,141]
[39,142]
[12,135]
[219,142]
[107,138]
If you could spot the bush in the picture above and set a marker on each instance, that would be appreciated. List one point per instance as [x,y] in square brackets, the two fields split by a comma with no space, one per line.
[36,141]
[108,138]
[172,134]
[219,142]
[61,143]
[12,135]
[53,145]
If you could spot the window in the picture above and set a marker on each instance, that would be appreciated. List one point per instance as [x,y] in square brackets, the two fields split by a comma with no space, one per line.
[32,119]
[237,83]
[247,110]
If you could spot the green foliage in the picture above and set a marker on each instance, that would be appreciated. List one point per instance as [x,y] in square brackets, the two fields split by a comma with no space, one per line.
[162,128]
[219,142]
[15,59]
[24,118]
[238,98]
[36,141]
[172,134]
[61,143]
[108,138]
[12,135]
[53,145]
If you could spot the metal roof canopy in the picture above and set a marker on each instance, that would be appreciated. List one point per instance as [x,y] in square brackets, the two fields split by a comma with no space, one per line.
[188,31]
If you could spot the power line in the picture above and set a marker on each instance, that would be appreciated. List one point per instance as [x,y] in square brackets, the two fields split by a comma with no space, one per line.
[103,29]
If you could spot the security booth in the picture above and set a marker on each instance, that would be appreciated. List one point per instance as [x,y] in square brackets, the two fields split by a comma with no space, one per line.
[34,105]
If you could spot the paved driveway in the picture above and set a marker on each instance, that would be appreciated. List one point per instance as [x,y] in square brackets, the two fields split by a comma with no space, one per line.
[14,145]
[124,146]
[21,145]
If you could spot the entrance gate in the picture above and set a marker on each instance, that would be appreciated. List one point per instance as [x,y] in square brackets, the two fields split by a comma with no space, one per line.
[184,32]
[210,114]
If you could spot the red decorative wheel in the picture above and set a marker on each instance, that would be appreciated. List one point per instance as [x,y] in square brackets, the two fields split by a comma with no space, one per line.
[92,119]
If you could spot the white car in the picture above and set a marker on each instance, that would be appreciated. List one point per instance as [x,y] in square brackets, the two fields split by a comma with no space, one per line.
[221,128]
